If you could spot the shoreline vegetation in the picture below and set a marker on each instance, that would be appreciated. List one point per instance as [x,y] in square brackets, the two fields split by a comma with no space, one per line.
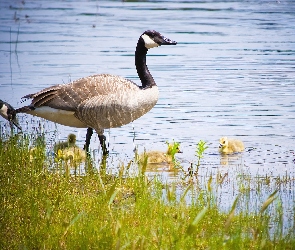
[44,206]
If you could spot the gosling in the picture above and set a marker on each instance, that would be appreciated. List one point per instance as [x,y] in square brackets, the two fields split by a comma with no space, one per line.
[159,157]
[69,151]
[74,155]
[229,146]
[71,142]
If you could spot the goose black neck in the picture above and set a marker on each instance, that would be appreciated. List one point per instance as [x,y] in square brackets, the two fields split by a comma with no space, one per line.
[145,76]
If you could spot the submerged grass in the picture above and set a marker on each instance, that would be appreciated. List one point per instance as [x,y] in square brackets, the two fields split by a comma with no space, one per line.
[44,207]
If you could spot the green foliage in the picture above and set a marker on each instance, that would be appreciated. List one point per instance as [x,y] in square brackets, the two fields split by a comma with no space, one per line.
[44,208]
[200,150]
[201,147]
[269,200]
[193,226]
[173,148]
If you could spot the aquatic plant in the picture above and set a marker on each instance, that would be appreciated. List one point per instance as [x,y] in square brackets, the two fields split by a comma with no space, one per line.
[41,207]
[200,149]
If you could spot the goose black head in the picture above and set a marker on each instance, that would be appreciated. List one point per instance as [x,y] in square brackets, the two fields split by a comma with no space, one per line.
[154,39]
[8,113]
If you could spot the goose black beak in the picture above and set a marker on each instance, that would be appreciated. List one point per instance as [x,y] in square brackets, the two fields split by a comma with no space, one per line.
[167,41]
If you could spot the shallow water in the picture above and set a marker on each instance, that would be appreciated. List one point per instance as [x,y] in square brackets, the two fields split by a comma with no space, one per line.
[232,72]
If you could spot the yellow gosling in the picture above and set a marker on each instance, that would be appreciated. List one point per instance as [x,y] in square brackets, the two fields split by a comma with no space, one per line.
[32,153]
[69,152]
[159,157]
[229,146]
[36,153]
[72,154]
[71,142]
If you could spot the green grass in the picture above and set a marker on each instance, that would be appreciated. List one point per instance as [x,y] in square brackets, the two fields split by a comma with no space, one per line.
[44,207]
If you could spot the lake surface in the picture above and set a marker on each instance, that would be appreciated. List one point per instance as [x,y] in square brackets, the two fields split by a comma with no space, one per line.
[232,73]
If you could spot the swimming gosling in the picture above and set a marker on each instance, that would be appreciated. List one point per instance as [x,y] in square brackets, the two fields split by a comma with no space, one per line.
[160,157]
[229,146]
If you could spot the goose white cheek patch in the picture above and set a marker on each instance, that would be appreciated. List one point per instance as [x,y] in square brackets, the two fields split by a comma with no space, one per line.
[149,43]
[3,111]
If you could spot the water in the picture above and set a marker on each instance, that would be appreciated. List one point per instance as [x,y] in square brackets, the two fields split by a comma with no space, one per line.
[232,72]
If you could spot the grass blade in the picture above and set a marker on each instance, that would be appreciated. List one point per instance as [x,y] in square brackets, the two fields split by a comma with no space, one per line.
[75,219]
[192,228]
[185,192]
[231,214]
[269,200]
[112,193]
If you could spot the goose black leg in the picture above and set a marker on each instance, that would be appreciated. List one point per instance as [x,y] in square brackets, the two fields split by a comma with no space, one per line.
[87,141]
[102,140]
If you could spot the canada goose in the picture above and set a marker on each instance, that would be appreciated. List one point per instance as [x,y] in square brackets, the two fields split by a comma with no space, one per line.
[228,146]
[159,157]
[101,101]
[8,113]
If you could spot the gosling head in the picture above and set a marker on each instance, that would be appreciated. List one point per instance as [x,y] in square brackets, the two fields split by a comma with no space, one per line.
[154,39]
[71,139]
[173,148]
[223,142]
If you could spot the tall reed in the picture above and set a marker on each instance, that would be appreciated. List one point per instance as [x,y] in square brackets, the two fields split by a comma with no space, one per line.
[43,207]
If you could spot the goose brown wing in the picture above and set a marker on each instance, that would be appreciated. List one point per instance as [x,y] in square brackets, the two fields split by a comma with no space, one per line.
[70,96]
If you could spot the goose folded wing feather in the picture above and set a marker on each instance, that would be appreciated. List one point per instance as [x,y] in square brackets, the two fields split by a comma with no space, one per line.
[107,111]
